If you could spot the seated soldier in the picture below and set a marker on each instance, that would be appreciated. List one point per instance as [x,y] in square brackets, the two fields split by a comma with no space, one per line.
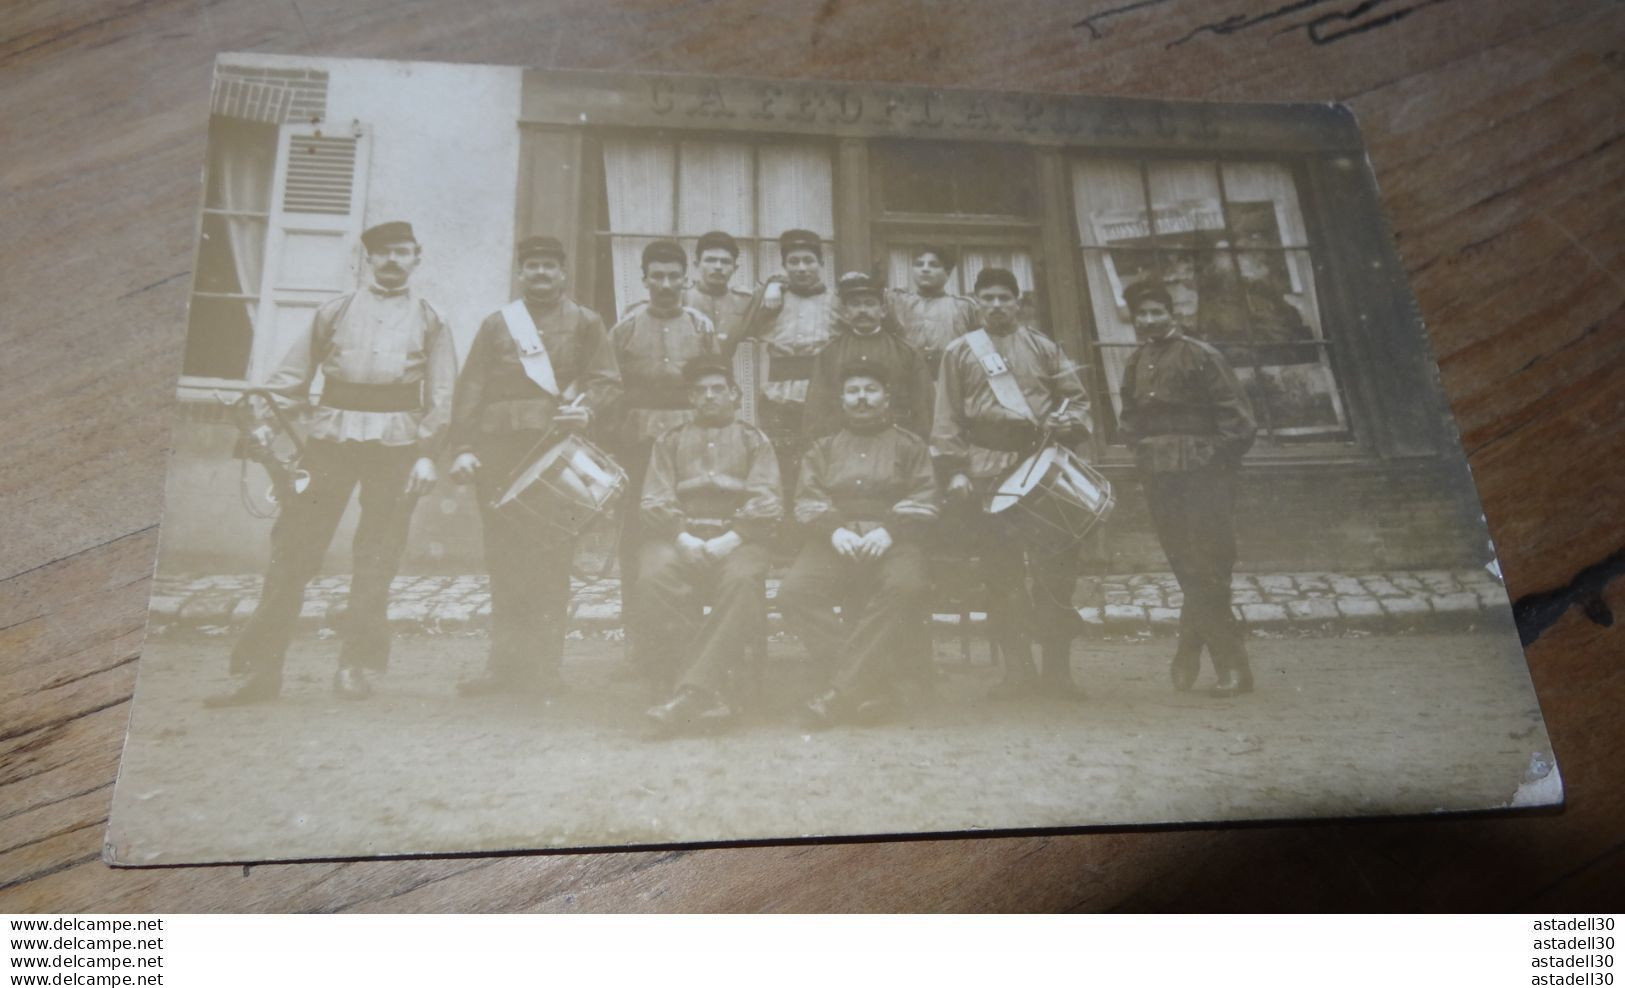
[867,493]
[711,499]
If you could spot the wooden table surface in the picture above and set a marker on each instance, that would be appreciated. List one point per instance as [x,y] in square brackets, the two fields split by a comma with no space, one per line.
[1494,128]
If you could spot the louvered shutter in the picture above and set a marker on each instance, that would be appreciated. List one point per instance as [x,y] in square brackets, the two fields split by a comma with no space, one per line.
[313,252]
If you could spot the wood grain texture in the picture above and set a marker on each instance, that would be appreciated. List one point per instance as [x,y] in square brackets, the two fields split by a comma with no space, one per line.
[1494,127]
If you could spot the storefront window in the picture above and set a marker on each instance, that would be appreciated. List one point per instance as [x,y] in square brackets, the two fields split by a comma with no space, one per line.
[976,200]
[657,187]
[1228,241]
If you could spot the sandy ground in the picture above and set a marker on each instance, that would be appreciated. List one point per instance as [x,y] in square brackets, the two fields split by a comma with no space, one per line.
[1338,726]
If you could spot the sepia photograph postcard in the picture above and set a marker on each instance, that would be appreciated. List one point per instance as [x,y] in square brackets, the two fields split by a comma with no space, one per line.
[570,459]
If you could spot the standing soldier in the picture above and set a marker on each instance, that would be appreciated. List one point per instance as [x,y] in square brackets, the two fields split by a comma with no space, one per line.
[710,503]
[652,345]
[717,257]
[930,317]
[388,367]
[865,336]
[1189,422]
[539,367]
[798,318]
[1001,391]
[866,498]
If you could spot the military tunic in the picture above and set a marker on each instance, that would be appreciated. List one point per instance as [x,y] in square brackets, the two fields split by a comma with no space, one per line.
[910,392]
[931,322]
[388,368]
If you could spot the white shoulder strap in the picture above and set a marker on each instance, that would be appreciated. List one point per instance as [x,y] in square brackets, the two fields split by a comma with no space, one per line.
[532,355]
[999,376]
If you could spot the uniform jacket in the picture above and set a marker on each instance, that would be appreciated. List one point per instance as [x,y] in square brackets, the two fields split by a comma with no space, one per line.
[495,396]
[1183,407]
[910,390]
[725,473]
[864,480]
[375,337]
[931,322]
[650,351]
[973,433]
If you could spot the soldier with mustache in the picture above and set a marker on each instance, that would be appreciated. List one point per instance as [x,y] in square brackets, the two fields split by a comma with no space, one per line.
[388,368]
[540,366]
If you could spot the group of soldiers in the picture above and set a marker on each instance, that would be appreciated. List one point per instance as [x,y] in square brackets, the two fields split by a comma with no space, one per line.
[873,423]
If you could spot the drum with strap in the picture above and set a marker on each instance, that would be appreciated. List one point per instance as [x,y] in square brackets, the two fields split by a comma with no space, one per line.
[1053,497]
[560,493]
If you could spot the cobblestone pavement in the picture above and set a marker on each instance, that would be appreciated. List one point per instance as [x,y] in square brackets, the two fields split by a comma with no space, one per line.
[1149,602]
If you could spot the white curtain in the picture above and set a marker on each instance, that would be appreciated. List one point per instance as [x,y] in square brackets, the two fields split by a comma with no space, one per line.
[795,186]
[638,176]
[242,174]
[662,188]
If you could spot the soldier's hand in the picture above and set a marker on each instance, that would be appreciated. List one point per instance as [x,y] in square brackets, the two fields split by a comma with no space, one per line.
[876,543]
[572,417]
[691,548]
[846,543]
[261,435]
[959,486]
[464,467]
[719,547]
[422,477]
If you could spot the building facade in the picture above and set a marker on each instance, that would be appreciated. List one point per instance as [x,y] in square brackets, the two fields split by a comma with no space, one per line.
[1263,222]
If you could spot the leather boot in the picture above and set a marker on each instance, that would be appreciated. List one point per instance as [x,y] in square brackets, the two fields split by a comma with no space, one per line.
[1235,674]
[259,688]
[1187,664]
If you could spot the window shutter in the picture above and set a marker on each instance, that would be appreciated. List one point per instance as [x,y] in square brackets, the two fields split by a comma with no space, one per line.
[312,254]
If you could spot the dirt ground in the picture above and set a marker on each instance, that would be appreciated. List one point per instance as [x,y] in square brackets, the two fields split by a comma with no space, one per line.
[1338,726]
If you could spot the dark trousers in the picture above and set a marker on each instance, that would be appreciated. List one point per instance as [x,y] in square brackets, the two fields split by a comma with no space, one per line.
[299,541]
[1019,615]
[688,648]
[782,421]
[883,606]
[1194,515]
[530,572]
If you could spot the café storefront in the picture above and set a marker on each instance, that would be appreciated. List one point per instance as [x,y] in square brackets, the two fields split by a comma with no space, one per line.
[1260,219]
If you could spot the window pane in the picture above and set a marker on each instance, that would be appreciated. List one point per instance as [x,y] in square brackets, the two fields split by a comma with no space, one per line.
[1293,391]
[1185,203]
[219,333]
[965,179]
[1263,203]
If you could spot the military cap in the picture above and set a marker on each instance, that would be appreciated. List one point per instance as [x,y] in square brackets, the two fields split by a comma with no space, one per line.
[873,369]
[946,255]
[717,240]
[664,251]
[856,283]
[1146,290]
[384,234]
[705,364]
[791,240]
[539,246]
[997,276]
